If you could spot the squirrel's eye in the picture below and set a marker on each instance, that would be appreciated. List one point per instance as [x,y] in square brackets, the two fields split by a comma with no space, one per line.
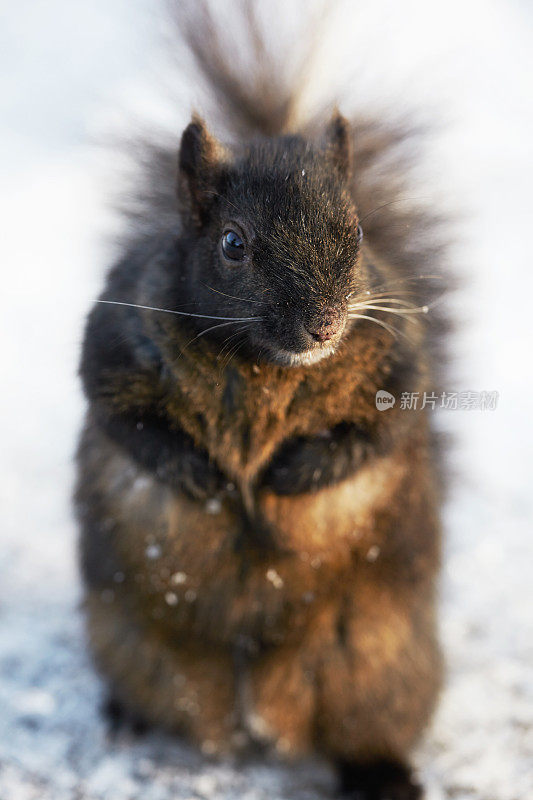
[359,233]
[233,246]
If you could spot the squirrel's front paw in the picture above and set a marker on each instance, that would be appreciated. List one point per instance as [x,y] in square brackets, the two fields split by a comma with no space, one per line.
[301,465]
[201,479]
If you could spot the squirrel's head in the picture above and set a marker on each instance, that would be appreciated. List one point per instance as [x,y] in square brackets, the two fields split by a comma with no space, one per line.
[270,232]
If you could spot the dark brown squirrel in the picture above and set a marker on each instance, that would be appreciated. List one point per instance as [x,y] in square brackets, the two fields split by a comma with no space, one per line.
[259,541]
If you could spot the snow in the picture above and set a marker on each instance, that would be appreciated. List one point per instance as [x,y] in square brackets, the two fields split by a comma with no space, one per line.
[67,70]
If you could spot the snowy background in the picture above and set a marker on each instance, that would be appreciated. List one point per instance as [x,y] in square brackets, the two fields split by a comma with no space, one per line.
[69,70]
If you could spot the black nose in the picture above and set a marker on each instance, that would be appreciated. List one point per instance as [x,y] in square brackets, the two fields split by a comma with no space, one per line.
[326,326]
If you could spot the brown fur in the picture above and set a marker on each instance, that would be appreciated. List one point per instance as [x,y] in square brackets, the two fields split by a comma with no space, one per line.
[333,618]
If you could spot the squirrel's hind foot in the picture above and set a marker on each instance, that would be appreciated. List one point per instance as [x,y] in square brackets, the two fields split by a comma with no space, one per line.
[381,780]
[119,718]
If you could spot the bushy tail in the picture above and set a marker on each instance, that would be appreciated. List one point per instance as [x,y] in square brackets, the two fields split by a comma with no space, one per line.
[249,89]
[256,77]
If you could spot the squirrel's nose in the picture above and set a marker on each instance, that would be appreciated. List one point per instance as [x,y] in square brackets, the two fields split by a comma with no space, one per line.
[325,327]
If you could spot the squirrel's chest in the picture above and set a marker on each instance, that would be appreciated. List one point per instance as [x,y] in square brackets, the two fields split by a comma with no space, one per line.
[242,415]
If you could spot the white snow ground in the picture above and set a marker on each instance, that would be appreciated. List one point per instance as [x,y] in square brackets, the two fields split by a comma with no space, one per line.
[65,65]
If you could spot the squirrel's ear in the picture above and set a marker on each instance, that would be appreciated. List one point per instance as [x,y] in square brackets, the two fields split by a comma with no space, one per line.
[200,158]
[339,142]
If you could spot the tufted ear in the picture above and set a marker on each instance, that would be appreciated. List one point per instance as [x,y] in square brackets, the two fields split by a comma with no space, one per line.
[201,158]
[339,143]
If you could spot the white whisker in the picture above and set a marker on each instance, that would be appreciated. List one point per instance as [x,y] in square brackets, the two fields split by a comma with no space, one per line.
[380,322]
[384,298]
[214,327]
[233,297]
[402,312]
[179,313]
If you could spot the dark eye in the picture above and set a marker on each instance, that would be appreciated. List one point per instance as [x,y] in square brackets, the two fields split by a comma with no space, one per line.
[233,246]
[359,233]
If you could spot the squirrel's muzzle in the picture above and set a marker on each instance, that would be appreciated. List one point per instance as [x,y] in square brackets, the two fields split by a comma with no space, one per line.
[327,326]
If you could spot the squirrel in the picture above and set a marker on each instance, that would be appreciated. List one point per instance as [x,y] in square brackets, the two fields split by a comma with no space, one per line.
[260,540]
